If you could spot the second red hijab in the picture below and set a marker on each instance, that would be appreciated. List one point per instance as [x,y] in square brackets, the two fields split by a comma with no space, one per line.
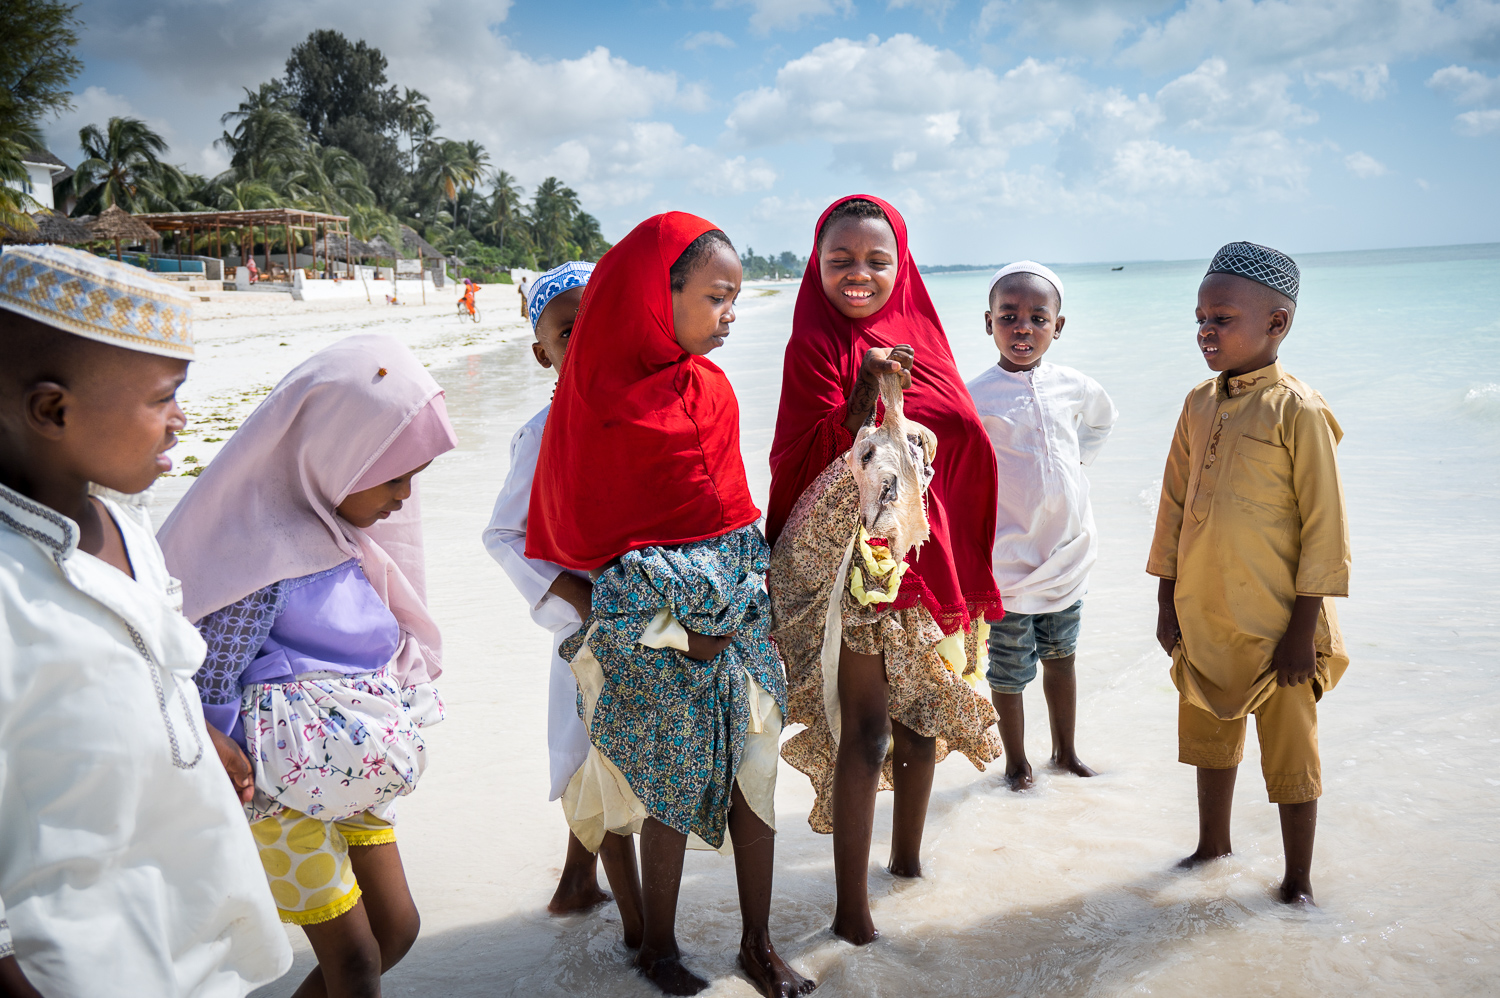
[951,574]
[642,446]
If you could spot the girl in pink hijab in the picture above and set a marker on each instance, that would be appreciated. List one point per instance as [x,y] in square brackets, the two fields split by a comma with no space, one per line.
[300,554]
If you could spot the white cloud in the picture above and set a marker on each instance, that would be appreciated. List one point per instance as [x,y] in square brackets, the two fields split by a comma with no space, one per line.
[1465,85]
[936,9]
[1478,123]
[787,15]
[706,39]
[1365,166]
[1364,82]
[1208,99]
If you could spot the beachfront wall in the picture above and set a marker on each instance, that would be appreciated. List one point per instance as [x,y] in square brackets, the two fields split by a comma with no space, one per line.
[366,286]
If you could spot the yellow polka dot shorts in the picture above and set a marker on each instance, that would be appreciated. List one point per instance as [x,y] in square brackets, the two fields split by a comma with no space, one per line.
[307,862]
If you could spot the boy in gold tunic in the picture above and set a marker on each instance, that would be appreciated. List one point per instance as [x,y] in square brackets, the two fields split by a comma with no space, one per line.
[1251,536]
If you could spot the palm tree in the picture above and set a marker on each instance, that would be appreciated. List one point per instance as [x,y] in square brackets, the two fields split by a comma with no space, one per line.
[119,162]
[15,204]
[450,168]
[553,207]
[586,235]
[269,133]
[505,205]
[413,118]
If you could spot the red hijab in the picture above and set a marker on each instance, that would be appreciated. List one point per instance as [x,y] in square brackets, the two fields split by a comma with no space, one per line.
[642,446]
[951,574]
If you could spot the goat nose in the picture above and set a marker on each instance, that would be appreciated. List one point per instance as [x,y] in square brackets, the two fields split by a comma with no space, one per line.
[888,489]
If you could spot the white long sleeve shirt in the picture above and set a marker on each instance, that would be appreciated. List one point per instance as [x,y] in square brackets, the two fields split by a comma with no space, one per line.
[1045,425]
[126,864]
[505,540]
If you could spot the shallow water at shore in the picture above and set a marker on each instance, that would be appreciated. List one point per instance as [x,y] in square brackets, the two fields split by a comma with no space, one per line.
[1067,889]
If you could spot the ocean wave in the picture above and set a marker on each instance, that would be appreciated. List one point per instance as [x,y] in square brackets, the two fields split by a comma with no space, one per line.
[1483,402]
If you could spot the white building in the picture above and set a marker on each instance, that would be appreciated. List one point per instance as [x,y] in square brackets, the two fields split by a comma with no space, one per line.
[41,167]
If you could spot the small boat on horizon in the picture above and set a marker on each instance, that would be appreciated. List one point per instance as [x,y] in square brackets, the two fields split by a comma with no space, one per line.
[1120,267]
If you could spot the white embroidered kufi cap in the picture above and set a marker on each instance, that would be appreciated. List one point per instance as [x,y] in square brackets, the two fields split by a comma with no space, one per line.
[1029,267]
[98,299]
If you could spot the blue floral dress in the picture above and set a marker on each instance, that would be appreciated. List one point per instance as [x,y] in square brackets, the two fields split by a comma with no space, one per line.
[675,726]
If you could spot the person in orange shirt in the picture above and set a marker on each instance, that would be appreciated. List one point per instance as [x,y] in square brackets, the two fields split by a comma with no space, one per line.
[470,289]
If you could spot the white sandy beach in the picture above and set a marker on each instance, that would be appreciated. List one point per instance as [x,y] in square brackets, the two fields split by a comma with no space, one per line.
[1066,890]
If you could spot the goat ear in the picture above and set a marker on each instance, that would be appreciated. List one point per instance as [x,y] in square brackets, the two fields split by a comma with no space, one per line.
[890,394]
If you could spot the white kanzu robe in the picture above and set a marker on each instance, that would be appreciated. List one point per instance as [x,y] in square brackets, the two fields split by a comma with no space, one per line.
[1045,425]
[126,864]
[505,539]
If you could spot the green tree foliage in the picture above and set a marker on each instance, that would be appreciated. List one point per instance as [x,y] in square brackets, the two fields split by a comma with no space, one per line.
[37,65]
[268,135]
[123,166]
[756,268]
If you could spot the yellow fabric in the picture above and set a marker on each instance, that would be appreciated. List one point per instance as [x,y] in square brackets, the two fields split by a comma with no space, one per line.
[1286,725]
[1252,515]
[880,568]
[307,862]
[599,799]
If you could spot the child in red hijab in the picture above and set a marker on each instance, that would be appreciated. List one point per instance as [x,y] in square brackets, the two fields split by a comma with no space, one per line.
[905,667]
[640,482]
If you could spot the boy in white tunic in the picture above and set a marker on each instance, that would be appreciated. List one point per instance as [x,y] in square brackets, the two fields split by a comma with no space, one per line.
[559,600]
[1046,422]
[126,866]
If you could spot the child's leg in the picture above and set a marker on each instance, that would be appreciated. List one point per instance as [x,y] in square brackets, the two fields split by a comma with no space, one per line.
[1215,747]
[618,855]
[754,861]
[1013,661]
[914,760]
[354,949]
[1057,646]
[1060,685]
[865,723]
[1287,726]
[578,887]
[349,957]
[662,851]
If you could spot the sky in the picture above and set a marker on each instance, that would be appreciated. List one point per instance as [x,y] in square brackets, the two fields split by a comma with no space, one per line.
[1059,130]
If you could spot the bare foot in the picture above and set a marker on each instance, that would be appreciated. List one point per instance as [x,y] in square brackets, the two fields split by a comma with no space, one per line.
[1203,855]
[1070,762]
[668,973]
[770,974]
[572,898]
[859,931]
[1298,894]
[1019,777]
[910,869]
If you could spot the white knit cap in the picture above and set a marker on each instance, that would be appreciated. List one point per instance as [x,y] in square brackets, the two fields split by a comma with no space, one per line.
[1028,267]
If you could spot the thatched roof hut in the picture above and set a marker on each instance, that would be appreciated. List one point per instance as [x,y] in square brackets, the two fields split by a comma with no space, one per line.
[334,246]
[50,228]
[380,247]
[415,245]
[120,225]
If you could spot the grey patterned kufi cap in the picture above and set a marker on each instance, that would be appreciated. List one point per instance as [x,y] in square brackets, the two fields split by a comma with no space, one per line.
[1261,264]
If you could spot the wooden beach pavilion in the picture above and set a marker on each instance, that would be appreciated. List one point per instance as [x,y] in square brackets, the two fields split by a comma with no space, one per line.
[286,225]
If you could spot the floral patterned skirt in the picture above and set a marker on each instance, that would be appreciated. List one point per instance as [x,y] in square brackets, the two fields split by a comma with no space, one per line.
[335,746]
[931,676]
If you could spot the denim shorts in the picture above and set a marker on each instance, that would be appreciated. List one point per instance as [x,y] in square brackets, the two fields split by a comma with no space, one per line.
[1018,641]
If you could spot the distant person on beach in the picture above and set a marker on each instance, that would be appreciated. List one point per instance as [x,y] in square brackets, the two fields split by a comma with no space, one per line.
[1251,540]
[524,290]
[640,483]
[254,271]
[902,700]
[559,601]
[300,554]
[470,290]
[125,864]
[1045,422]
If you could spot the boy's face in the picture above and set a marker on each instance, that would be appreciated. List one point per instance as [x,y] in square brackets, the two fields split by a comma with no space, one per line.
[1241,323]
[111,424]
[1023,320]
[554,327]
[365,507]
[857,257]
[704,308]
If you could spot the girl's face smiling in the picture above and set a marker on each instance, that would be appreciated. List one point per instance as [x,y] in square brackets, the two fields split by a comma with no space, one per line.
[704,308]
[857,257]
